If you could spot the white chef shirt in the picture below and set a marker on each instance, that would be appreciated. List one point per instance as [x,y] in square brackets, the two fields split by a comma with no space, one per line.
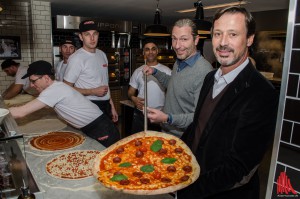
[88,70]
[72,106]
[155,92]
[221,81]
[22,70]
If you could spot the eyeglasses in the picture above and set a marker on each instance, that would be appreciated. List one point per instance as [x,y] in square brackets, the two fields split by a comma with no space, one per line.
[33,81]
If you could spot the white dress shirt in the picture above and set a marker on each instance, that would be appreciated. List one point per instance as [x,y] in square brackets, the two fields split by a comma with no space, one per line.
[221,81]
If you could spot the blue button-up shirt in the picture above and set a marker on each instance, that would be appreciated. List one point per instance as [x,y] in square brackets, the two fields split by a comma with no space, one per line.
[188,62]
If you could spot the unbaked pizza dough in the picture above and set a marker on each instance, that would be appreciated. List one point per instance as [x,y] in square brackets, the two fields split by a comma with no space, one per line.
[74,165]
[42,126]
[19,100]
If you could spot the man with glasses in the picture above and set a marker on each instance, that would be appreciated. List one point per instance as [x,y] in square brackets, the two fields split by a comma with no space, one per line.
[183,86]
[68,103]
[156,92]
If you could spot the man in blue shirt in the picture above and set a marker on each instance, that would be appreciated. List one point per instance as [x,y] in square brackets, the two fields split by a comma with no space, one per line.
[184,84]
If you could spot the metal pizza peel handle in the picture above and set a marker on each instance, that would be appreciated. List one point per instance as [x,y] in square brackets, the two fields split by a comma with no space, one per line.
[145,100]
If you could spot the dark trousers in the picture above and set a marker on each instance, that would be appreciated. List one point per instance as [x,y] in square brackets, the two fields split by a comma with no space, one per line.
[100,127]
[138,123]
[104,106]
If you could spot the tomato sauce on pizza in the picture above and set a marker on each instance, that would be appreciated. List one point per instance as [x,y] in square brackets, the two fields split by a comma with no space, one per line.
[72,165]
[57,140]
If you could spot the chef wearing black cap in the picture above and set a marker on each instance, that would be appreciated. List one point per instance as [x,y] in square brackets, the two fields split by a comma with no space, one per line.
[66,48]
[87,70]
[68,103]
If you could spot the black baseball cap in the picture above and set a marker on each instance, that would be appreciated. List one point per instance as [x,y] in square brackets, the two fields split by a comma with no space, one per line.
[67,41]
[39,68]
[87,25]
[8,63]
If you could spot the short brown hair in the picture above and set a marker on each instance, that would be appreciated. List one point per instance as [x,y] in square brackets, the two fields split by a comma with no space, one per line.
[249,20]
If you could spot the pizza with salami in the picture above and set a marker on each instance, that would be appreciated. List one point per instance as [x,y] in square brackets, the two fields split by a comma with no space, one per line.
[147,164]
[58,140]
[73,165]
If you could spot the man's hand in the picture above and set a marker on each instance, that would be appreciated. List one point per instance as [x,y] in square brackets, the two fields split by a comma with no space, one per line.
[100,91]
[138,102]
[156,116]
[113,111]
[148,70]
[114,115]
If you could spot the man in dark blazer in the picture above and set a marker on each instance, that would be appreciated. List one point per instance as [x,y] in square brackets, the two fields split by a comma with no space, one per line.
[235,118]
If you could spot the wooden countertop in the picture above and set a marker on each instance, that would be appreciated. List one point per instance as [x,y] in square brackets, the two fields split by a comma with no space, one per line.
[127,103]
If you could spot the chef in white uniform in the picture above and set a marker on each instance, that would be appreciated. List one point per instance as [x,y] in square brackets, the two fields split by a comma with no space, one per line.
[66,47]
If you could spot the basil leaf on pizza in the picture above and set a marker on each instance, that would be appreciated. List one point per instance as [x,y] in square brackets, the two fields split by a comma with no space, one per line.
[125,164]
[156,146]
[168,160]
[147,163]
[147,168]
[119,177]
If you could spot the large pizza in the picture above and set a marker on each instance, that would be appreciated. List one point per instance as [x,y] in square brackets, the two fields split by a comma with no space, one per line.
[147,164]
[58,140]
[73,165]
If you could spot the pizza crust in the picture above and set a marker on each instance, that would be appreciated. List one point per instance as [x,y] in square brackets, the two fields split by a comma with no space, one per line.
[193,177]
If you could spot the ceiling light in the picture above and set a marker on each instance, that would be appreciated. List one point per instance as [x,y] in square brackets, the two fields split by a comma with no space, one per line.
[1,7]
[237,3]
[156,29]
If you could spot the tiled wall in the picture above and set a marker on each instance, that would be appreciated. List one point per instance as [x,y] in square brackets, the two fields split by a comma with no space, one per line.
[286,159]
[41,31]
[31,20]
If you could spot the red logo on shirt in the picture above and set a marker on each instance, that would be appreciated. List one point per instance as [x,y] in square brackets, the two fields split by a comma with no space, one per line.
[89,22]
[284,186]
[105,65]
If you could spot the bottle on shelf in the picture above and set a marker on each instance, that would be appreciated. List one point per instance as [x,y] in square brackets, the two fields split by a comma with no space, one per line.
[25,193]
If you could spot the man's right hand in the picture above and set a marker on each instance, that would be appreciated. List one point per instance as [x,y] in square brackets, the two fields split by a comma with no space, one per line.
[138,102]
[148,70]
[100,91]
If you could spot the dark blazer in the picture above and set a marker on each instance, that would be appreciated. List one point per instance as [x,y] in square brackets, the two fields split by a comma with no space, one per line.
[234,139]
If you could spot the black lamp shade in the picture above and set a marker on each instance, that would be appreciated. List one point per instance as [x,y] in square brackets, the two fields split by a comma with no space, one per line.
[156,29]
[203,26]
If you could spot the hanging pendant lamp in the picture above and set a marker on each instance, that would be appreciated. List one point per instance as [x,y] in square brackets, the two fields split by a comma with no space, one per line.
[1,7]
[156,29]
[202,25]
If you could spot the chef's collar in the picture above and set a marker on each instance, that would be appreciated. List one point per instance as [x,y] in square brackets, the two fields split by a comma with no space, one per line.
[188,62]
